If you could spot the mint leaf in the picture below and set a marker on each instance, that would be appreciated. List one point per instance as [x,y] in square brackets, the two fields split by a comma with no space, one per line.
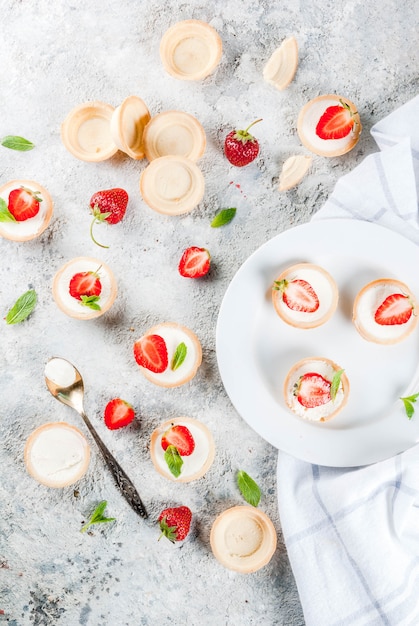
[91,301]
[179,356]
[334,387]
[174,460]
[5,215]
[23,306]
[17,143]
[97,516]
[408,404]
[223,217]
[248,488]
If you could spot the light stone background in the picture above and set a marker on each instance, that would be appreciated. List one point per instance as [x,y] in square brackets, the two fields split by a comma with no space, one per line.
[53,56]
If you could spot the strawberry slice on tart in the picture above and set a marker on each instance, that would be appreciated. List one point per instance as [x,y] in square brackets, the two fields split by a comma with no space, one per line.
[24,203]
[151,352]
[336,122]
[25,210]
[179,436]
[86,287]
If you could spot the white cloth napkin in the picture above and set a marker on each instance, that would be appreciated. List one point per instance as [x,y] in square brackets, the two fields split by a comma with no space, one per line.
[352,534]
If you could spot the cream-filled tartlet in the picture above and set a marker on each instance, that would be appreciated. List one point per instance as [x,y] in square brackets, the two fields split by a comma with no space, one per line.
[329,125]
[174,133]
[127,126]
[243,539]
[172,185]
[385,311]
[316,389]
[305,295]
[168,354]
[190,50]
[182,449]
[57,454]
[86,132]
[84,288]
[25,209]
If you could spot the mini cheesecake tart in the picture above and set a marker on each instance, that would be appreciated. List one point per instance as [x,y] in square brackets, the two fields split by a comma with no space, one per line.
[194,465]
[173,335]
[190,50]
[73,306]
[174,133]
[391,297]
[307,389]
[243,539]
[86,132]
[172,185]
[57,454]
[33,226]
[305,295]
[127,126]
[309,118]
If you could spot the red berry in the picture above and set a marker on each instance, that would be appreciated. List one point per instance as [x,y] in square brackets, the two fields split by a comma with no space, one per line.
[151,352]
[86,287]
[195,262]
[24,203]
[395,310]
[298,295]
[240,147]
[118,413]
[313,390]
[181,437]
[336,122]
[109,206]
[175,523]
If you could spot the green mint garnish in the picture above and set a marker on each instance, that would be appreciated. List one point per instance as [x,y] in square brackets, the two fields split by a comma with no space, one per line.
[179,356]
[23,306]
[91,301]
[334,387]
[248,488]
[174,460]
[223,217]
[5,215]
[97,516]
[17,143]
[408,404]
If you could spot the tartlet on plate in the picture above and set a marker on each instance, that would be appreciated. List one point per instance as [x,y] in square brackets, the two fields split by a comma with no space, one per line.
[30,194]
[86,132]
[174,133]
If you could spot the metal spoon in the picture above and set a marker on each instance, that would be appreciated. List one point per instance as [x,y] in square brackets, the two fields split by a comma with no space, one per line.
[66,385]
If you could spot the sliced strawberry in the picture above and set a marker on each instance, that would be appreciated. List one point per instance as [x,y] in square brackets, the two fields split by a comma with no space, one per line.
[298,295]
[395,310]
[312,390]
[86,287]
[151,352]
[24,203]
[118,413]
[336,122]
[195,262]
[181,437]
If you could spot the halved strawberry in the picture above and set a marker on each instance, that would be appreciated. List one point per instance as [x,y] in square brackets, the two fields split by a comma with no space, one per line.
[151,352]
[312,390]
[86,287]
[24,203]
[298,295]
[181,437]
[118,413]
[336,122]
[395,310]
[195,262]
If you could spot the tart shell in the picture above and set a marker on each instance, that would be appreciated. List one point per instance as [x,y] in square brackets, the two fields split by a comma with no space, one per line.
[86,132]
[174,133]
[128,122]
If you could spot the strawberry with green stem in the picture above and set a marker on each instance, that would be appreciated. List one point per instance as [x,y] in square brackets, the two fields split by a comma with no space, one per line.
[336,122]
[108,206]
[23,204]
[298,295]
[175,523]
[240,147]
[86,287]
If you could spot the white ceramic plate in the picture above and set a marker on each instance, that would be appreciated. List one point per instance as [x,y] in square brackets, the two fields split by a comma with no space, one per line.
[255,348]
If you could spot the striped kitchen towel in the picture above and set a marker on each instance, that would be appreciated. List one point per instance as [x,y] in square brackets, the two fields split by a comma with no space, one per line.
[352,534]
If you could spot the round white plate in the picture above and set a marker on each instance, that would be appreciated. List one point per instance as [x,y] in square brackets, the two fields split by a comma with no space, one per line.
[255,348]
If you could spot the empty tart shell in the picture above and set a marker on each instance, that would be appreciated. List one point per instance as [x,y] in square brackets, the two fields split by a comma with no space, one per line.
[190,50]
[34,226]
[309,117]
[57,454]
[72,306]
[86,132]
[366,304]
[196,464]
[326,368]
[174,133]
[128,122]
[324,287]
[243,539]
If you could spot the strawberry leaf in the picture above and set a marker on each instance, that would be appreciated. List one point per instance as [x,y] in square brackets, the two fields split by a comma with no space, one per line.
[223,217]
[97,516]
[334,387]
[17,143]
[408,404]
[5,215]
[174,460]
[248,488]
[179,356]
[23,306]
[91,301]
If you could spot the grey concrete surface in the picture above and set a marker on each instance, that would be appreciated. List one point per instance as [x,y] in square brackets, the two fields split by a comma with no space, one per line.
[53,56]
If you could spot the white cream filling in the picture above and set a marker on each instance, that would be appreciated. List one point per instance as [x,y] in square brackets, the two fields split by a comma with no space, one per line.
[60,372]
[314,414]
[367,306]
[57,455]
[63,284]
[321,286]
[173,336]
[312,116]
[30,226]
[193,463]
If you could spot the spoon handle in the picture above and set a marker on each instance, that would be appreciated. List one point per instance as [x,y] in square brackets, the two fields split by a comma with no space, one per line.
[124,484]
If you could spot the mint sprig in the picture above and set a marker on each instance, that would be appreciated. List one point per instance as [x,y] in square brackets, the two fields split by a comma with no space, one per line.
[5,215]
[174,460]
[179,356]
[14,142]
[408,402]
[334,387]
[23,306]
[97,517]
[92,302]
[223,217]
[248,488]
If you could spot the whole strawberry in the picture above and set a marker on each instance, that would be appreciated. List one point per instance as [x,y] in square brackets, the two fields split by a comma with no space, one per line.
[240,147]
[175,523]
[108,206]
